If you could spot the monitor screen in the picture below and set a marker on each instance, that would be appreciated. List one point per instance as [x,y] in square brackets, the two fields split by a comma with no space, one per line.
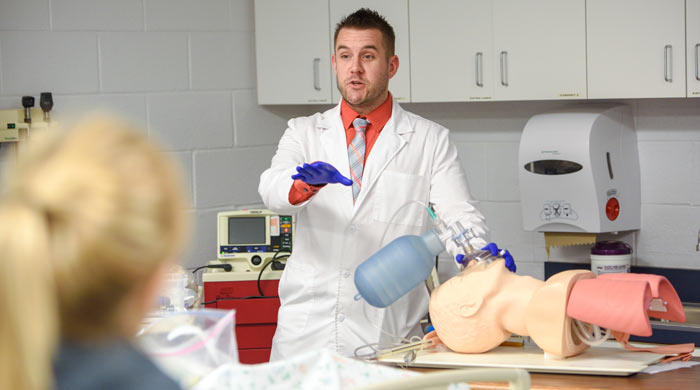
[246,230]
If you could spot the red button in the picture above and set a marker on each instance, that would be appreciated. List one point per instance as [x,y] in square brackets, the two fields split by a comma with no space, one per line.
[612,209]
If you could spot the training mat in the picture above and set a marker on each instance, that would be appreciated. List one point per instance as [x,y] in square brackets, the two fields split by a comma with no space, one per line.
[594,361]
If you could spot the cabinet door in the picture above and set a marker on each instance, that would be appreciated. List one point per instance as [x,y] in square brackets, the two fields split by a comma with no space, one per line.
[539,49]
[396,13]
[636,48]
[692,20]
[292,51]
[451,50]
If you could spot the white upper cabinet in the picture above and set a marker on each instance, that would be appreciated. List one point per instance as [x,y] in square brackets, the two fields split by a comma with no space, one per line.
[292,51]
[451,50]
[497,50]
[396,13]
[636,48]
[539,49]
[481,50]
[692,19]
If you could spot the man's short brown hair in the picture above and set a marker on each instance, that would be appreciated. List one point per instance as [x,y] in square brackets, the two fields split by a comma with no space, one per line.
[365,18]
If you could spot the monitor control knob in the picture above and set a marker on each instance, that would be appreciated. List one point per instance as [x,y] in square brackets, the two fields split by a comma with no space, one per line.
[256,260]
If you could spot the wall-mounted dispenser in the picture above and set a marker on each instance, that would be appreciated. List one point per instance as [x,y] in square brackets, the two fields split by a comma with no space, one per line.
[579,171]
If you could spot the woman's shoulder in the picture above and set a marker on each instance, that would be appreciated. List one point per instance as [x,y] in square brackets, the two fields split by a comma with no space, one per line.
[116,364]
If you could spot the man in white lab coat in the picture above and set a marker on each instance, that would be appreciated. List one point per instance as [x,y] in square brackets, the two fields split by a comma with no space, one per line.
[344,211]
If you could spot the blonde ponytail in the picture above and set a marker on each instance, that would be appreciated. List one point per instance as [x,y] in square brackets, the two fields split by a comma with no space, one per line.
[86,218]
[28,323]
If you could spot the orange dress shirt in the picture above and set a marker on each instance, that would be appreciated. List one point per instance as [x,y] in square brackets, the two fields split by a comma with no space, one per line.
[300,191]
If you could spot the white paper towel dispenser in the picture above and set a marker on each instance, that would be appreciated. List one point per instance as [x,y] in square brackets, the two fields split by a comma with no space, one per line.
[579,171]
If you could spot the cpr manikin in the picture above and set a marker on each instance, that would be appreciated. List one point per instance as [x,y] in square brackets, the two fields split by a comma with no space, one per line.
[478,309]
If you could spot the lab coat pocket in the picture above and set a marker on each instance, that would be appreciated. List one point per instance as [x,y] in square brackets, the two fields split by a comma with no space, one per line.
[394,191]
[296,291]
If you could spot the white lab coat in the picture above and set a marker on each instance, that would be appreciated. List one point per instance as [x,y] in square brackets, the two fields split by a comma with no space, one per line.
[412,159]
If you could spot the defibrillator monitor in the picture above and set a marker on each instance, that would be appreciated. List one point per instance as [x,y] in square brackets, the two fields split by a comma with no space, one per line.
[253,235]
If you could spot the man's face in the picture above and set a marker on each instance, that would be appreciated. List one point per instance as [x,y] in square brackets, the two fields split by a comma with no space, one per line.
[362,68]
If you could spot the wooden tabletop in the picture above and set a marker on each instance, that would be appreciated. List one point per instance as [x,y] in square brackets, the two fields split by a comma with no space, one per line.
[680,379]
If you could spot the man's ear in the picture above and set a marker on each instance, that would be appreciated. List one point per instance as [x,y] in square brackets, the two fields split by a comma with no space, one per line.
[393,65]
[471,307]
[333,62]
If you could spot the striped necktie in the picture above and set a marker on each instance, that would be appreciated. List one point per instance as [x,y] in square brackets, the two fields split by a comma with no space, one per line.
[356,155]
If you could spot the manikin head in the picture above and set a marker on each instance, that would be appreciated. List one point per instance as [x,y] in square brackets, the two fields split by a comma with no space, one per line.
[467,310]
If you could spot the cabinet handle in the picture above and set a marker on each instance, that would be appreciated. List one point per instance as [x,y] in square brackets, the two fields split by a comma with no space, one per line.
[504,68]
[317,81]
[479,70]
[697,59]
[667,63]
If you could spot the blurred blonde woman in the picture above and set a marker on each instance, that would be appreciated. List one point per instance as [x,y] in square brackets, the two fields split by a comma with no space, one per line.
[89,221]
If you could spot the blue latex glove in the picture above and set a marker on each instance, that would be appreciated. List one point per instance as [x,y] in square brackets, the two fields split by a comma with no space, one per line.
[319,173]
[493,248]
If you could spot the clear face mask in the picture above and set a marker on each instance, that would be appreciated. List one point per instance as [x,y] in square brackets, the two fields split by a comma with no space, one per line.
[462,237]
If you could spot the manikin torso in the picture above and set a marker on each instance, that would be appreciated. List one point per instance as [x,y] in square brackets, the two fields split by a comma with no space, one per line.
[546,320]
[479,309]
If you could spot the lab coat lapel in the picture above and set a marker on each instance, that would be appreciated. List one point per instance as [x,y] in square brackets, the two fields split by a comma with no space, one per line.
[391,140]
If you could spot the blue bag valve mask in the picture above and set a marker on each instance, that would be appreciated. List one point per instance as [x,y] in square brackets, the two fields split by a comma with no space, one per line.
[397,268]
[406,262]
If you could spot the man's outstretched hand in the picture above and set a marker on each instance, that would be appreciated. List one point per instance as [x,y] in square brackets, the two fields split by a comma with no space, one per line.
[320,173]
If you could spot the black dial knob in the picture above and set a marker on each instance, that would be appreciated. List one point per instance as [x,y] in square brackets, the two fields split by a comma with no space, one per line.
[256,260]
[27,103]
[46,104]
[46,101]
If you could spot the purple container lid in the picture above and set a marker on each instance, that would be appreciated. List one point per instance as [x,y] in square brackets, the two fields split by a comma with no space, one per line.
[611,248]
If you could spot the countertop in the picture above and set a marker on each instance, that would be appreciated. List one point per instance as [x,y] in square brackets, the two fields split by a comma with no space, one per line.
[680,379]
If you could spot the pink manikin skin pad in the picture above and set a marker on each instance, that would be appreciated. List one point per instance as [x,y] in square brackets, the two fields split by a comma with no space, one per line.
[621,302]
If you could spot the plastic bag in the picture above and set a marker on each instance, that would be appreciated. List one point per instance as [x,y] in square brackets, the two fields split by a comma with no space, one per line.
[189,345]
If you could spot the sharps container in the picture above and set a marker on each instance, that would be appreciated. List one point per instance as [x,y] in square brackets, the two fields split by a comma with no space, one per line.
[609,257]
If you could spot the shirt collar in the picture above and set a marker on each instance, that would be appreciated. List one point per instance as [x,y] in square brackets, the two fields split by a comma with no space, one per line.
[378,118]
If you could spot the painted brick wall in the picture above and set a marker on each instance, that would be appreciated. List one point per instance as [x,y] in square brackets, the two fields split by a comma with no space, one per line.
[184,70]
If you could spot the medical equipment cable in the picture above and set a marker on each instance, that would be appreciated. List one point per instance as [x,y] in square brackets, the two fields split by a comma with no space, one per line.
[200,289]
[386,229]
[225,267]
[589,333]
[275,260]
[236,299]
[228,267]
[374,346]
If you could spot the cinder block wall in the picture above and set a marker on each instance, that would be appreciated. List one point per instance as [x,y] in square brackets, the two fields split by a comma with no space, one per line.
[184,70]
